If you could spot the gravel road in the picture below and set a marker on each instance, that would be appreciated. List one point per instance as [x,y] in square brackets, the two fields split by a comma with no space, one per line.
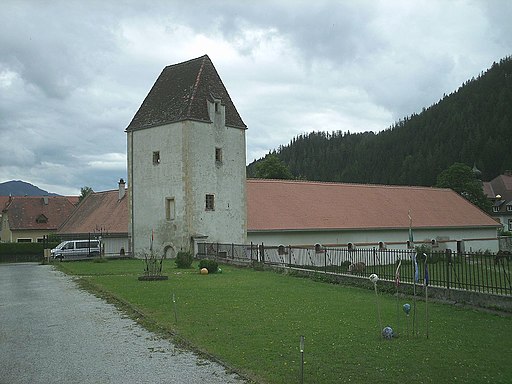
[53,332]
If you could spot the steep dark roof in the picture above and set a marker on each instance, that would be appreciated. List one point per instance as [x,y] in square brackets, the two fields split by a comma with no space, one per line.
[180,93]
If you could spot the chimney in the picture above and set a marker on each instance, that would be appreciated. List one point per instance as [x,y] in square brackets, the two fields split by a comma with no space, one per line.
[45,200]
[122,190]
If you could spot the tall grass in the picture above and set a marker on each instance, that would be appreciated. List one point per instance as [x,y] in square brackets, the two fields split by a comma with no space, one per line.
[253,320]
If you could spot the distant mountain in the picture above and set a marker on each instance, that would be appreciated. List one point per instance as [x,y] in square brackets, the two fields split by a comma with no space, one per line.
[472,126]
[21,188]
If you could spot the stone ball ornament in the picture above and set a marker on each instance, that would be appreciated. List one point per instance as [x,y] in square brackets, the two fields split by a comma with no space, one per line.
[374,278]
[387,332]
[203,271]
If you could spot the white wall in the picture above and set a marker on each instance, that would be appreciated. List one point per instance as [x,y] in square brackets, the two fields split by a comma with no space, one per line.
[473,239]
[113,245]
[225,180]
[186,173]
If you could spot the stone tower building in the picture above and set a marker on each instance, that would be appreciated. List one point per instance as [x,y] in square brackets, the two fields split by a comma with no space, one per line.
[186,163]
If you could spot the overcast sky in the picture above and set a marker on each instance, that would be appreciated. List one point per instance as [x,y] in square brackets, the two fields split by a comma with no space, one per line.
[73,73]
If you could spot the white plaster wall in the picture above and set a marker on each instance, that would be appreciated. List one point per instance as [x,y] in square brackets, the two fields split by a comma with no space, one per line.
[187,172]
[225,180]
[112,245]
[478,239]
[151,184]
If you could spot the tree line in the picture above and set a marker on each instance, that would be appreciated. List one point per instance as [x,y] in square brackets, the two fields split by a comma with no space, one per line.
[471,126]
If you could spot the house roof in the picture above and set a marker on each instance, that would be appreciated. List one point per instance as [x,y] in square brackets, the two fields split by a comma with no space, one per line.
[31,212]
[500,186]
[99,211]
[299,205]
[4,200]
[181,93]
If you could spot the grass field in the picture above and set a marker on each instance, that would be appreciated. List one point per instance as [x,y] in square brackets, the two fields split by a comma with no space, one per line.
[252,321]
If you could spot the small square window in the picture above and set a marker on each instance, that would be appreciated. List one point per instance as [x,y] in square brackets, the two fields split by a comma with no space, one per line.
[218,155]
[509,208]
[496,209]
[156,157]
[210,202]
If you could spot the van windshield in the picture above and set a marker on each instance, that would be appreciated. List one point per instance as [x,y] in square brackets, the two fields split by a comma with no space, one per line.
[61,245]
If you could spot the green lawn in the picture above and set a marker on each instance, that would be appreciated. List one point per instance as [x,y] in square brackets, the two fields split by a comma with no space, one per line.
[253,320]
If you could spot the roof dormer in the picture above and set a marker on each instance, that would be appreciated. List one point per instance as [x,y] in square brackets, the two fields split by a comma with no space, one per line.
[41,219]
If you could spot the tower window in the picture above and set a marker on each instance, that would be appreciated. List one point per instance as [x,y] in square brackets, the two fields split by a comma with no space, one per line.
[156,157]
[210,202]
[218,155]
[170,211]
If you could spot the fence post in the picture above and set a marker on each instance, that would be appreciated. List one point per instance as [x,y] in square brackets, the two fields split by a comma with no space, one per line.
[325,260]
[374,259]
[448,254]
[262,251]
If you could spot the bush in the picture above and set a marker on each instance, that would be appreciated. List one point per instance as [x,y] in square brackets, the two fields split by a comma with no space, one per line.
[211,265]
[184,259]
[21,252]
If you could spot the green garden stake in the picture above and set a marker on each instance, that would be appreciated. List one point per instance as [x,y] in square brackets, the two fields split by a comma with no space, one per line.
[301,347]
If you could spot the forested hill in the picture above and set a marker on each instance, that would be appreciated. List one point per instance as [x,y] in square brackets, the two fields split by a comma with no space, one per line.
[472,125]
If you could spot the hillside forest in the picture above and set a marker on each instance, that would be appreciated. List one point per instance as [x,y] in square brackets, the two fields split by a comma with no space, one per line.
[472,126]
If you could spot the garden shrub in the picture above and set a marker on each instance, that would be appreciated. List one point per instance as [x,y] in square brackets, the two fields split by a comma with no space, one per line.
[345,265]
[22,252]
[184,259]
[258,265]
[211,265]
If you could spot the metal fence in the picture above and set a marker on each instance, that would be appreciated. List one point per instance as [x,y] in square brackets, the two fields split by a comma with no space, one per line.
[479,272]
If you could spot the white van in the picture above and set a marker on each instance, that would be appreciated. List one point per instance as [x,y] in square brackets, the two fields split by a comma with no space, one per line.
[75,249]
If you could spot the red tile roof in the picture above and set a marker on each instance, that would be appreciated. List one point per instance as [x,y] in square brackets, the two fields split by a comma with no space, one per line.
[4,200]
[99,211]
[299,205]
[29,212]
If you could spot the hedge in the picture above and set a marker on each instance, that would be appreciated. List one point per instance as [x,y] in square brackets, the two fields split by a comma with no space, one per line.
[21,252]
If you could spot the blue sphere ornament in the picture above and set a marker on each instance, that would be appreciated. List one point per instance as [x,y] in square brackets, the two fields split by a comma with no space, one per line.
[407,308]
[387,332]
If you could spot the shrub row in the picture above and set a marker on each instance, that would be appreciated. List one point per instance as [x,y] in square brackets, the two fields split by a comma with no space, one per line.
[22,252]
